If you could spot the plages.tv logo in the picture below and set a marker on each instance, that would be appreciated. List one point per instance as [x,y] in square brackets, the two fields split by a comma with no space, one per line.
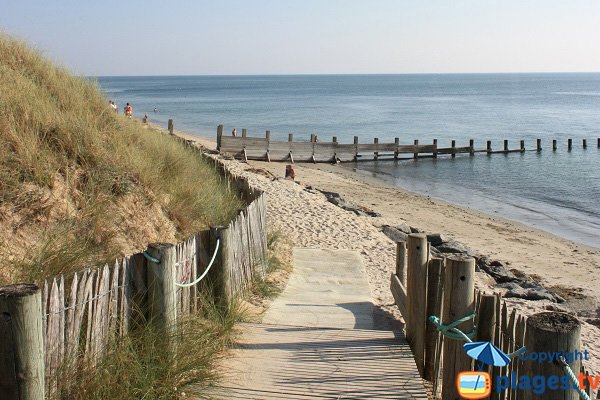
[473,384]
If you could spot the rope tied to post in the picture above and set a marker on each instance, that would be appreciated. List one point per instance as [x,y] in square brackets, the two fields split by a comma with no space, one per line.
[565,366]
[212,260]
[451,331]
[150,258]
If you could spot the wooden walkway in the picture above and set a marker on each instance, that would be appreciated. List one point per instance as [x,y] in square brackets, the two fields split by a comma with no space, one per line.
[316,342]
[288,362]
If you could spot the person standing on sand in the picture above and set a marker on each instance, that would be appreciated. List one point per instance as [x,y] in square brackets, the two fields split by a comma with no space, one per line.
[128,110]
[233,132]
[113,106]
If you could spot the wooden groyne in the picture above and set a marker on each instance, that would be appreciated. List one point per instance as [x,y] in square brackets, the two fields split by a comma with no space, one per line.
[263,148]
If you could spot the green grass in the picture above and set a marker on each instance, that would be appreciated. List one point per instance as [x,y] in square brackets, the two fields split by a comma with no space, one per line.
[157,364]
[80,185]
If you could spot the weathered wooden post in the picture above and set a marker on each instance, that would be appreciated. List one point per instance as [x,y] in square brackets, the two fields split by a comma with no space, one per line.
[505,145]
[244,132]
[486,322]
[554,145]
[489,147]
[585,143]
[522,145]
[219,136]
[435,280]
[416,152]
[598,142]
[268,139]
[170,126]
[569,144]
[162,296]
[312,137]
[459,302]
[539,145]
[435,153]
[416,292]
[471,147]
[355,148]
[550,333]
[401,262]
[397,143]
[22,343]
[219,272]
[290,140]
[334,139]
[376,142]
[453,148]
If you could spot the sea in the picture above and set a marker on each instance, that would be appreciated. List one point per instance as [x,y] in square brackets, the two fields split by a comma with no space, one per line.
[556,191]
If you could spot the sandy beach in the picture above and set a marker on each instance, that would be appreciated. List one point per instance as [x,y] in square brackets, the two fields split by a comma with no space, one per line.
[565,267]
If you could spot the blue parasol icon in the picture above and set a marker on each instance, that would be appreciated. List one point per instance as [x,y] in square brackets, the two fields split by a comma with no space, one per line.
[487,353]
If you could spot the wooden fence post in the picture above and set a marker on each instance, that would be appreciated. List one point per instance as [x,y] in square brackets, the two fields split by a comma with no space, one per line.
[486,322]
[453,148]
[162,296]
[471,147]
[401,262]
[539,145]
[435,153]
[218,273]
[489,146]
[435,280]
[170,126]
[376,142]
[551,332]
[22,367]
[569,144]
[397,143]
[585,143]
[459,302]
[219,136]
[522,145]
[505,145]
[416,153]
[334,139]
[598,142]
[416,292]
[244,132]
[355,148]
[554,144]
[290,137]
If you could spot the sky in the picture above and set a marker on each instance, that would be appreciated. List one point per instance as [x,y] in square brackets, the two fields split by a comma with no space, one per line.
[152,37]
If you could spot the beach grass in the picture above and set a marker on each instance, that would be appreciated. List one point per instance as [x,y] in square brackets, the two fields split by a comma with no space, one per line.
[79,184]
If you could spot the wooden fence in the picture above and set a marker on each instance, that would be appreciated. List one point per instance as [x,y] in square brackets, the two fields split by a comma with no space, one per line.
[423,286]
[263,148]
[74,318]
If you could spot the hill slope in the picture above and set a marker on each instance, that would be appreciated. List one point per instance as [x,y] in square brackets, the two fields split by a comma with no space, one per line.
[79,184]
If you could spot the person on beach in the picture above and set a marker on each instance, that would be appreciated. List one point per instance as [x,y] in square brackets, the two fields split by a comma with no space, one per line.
[128,110]
[113,106]
[145,119]
[234,132]
[155,109]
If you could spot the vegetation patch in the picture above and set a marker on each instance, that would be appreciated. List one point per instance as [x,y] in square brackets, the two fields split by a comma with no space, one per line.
[79,184]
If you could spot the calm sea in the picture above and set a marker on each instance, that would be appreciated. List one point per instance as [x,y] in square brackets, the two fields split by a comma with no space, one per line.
[555,191]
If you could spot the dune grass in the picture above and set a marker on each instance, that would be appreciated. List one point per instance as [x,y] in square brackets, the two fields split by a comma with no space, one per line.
[80,185]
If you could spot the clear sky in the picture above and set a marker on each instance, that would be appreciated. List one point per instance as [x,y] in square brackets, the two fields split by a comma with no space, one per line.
[309,36]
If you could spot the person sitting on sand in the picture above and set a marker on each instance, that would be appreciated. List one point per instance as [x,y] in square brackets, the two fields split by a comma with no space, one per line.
[128,110]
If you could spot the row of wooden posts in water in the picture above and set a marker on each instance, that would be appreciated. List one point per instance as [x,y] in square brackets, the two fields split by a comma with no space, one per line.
[264,148]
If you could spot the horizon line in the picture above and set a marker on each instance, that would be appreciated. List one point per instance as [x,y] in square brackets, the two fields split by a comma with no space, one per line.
[348,74]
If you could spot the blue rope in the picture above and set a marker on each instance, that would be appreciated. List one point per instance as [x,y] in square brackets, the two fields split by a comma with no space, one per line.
[451,331]
[150,258]
[574,379]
